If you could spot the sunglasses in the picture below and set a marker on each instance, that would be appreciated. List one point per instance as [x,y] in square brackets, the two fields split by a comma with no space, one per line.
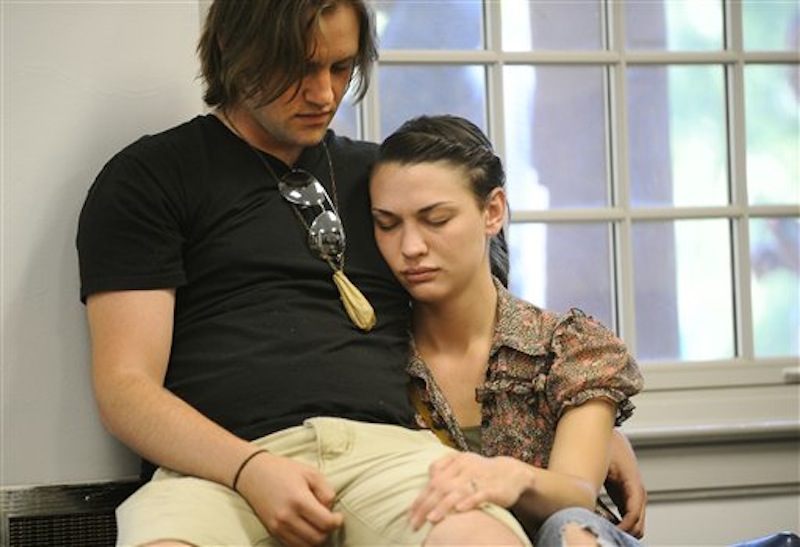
[325,230]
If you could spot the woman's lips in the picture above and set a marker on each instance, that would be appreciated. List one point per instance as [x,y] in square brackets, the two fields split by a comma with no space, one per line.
[419,275]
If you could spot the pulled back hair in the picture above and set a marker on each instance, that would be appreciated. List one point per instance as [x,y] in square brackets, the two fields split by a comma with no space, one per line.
[258,49]
[460,143]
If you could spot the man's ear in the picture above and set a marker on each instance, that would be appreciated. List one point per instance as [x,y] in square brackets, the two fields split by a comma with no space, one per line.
[495,211]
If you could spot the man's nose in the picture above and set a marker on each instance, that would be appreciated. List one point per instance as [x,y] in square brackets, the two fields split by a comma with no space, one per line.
[319,87]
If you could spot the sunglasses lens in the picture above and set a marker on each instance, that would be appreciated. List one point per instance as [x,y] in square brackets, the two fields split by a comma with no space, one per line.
[306,196]
[297,178]
[326,236]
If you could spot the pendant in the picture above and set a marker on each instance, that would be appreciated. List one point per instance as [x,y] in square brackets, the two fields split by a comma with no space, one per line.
[355,303]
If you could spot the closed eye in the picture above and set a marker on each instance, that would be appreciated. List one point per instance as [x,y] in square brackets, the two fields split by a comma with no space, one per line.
[437,221]
[386,226]
[383,221]
[437,214]
[343,67]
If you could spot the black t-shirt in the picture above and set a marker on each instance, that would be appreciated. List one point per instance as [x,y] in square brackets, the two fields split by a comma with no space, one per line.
[261,339]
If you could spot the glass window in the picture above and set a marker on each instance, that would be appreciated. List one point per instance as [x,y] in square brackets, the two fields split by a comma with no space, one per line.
[552,25]
[443,24]
[682,273]
[771,25]
[556,136]
[677,135]
[775,285]
[563,266]
[345,122]
[653,167]
[772,106]
[674,25]
[408,91]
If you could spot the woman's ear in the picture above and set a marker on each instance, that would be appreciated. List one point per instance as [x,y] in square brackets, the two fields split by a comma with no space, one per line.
[495,211]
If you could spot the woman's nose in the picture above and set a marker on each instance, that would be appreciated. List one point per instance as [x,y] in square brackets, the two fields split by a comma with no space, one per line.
[412,243]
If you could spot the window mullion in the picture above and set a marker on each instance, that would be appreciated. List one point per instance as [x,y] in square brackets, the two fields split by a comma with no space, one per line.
[369,111]
[737,152]
[620,178]
[494,76]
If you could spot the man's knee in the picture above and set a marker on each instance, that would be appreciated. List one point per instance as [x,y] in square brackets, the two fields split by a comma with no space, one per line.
[472,528]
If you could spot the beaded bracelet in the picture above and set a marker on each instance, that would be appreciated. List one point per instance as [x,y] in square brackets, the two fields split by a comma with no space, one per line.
[242,466]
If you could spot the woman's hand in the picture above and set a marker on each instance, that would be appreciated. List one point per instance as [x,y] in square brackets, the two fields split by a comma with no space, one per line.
[625,486]
[463,481]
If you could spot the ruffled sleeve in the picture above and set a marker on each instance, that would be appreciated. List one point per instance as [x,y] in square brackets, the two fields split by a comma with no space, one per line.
[589,362]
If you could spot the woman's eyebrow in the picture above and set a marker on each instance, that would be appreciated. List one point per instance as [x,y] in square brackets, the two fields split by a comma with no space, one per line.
[421,211]
[432,206]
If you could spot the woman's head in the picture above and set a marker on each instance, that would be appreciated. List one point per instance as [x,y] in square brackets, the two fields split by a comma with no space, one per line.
[438,199]
[447,139]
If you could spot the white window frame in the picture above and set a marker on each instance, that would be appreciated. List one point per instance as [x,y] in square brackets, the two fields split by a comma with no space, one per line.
[745,369]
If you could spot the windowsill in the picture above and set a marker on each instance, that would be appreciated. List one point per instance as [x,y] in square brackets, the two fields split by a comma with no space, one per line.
[715,415]
[667,376]
[686,434]
[704,442]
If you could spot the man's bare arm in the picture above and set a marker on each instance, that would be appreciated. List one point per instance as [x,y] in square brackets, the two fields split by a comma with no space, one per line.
[131,339]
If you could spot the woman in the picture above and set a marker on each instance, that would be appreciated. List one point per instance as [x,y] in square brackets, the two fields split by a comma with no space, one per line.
[530,395]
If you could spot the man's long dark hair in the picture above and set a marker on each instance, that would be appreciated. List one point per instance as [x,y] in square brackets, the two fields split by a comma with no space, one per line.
[258,49]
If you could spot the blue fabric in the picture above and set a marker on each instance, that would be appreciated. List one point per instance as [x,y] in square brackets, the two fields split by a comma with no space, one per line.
[551,532]
[781,539]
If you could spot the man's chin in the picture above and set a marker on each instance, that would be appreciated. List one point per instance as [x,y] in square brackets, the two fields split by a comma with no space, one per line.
[312,137]
[312,132]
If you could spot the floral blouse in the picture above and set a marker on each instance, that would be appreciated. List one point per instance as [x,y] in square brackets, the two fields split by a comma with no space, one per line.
[541,363]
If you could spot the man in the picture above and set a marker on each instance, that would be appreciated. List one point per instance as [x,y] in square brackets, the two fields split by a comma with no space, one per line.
[268,395]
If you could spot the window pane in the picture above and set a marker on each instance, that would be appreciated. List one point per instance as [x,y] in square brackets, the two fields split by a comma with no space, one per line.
[683,283]
[563,266]
[772,118]
[771,25]
[775,285]
[409,91]
[433,24]
[345,122]
[531,26]
[677,136]
[675,25]
[556,145]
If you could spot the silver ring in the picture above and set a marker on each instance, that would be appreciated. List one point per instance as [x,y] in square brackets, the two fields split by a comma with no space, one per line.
[474,485]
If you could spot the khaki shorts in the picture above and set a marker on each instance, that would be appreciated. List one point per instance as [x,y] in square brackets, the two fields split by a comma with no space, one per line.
[377,471]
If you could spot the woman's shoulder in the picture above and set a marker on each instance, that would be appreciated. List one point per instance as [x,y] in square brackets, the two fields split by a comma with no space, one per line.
[520,317]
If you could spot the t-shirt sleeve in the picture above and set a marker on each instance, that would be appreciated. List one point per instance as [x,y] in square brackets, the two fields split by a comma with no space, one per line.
[129,230]
[589,362]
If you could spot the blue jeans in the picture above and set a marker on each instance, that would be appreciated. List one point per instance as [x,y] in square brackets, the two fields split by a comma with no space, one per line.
[550,533]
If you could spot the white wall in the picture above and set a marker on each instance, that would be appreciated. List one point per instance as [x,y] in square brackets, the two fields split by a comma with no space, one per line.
[79,81]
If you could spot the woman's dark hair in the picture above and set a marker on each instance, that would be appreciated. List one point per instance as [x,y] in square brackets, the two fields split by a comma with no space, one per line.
[258,49]
[460,142]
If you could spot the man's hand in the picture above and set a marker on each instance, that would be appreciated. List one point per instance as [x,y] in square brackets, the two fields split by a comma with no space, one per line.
[625,486]
[293,500]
